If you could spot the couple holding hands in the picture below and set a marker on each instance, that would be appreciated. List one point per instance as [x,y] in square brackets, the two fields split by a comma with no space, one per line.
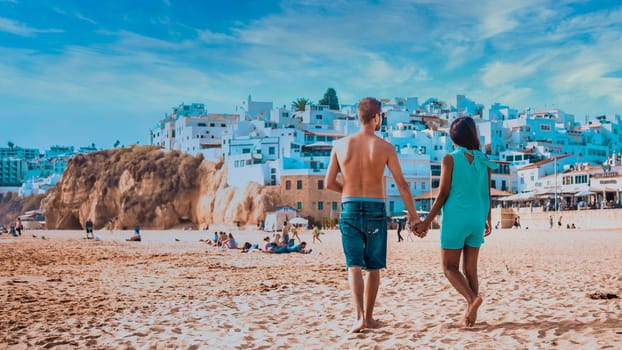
[464,198]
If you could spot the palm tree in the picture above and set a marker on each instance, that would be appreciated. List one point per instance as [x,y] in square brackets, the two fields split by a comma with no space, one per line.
[11,144]
[300,104]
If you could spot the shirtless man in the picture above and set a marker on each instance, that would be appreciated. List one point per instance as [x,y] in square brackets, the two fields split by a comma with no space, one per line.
[361,159]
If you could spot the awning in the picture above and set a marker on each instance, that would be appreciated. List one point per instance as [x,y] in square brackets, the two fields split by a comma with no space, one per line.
[584,193]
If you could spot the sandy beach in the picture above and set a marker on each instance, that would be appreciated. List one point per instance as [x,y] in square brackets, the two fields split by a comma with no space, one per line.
[66,292]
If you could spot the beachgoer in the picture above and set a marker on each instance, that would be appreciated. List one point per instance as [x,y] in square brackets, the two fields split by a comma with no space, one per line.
[136,237]
[300,248]
[215,242]
[316,234]
[233,244]
[362,159]
[89,229]
[12,230]
[551,221]
[559,222]
[464,196]
[19,226]
[399,230]
[573,226]
[285,234]
[294,232]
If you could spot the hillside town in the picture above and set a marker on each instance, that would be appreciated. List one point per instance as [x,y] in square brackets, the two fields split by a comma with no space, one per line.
[548,158]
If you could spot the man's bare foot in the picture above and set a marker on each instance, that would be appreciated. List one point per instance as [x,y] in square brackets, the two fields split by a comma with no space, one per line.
[373,324]
[471,316]
[358,326]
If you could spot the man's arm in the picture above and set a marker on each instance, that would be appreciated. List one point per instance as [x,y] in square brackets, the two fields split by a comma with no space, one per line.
[447,167]
[396,170]
[331,174]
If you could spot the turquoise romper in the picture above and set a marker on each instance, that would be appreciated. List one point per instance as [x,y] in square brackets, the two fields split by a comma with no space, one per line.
[463,216]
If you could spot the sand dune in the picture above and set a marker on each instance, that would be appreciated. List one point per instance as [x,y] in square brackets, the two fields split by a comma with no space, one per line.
[64,291]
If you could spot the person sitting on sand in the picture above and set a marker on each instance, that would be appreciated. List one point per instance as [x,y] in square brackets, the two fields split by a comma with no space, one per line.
[233,244]
[136,236]
[215,241]
[316,234]
[223,240]
[268,246]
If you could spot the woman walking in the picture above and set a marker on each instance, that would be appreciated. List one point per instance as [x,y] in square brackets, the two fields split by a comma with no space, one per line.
[464,196]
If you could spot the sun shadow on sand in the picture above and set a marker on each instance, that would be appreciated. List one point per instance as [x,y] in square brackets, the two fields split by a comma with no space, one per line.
[561,326]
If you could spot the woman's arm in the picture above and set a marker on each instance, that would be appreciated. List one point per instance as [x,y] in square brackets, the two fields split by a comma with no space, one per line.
[447,167]
[488,219]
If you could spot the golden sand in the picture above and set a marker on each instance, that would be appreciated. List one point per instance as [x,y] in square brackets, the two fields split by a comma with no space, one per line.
[161,293]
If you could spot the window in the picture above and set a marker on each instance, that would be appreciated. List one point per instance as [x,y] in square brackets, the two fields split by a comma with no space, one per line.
[212,124]
[273,171]
[423,185]
[391,206]
[271,150]
[318,117]
[435,183]
[334,205]
[493,183]
[202,124]
[246,150]
[299,184]
[288,185]
[320,205]
[320,184]
[545,127]
[299,205]
[504,186]
[223,125]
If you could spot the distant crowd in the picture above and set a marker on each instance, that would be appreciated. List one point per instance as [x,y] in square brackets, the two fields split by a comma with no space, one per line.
[288,241]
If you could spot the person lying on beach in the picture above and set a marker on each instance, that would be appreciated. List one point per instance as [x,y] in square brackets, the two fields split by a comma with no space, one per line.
[299,248]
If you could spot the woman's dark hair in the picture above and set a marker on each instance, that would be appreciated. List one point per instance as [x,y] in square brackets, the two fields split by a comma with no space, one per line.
[463,132]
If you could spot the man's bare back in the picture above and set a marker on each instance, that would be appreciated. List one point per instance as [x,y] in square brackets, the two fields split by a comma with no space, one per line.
[362,159]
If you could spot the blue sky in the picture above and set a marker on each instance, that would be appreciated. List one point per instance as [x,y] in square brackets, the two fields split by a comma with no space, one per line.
[77,72]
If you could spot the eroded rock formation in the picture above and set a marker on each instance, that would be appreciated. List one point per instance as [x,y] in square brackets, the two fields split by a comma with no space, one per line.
[147,187]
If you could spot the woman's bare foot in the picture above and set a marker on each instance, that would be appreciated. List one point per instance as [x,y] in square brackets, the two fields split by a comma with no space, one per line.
[471,315]
[374,324]
[358,325]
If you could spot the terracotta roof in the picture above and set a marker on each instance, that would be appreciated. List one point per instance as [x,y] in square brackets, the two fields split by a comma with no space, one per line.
[542,162]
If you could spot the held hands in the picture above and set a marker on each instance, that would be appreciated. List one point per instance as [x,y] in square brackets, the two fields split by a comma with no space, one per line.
[420,228]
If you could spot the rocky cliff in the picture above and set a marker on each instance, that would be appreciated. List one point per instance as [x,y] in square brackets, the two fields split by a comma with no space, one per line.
[12,206]
[147,187]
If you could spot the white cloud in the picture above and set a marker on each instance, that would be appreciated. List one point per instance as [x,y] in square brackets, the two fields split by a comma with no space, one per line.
[85,19]
[8,25]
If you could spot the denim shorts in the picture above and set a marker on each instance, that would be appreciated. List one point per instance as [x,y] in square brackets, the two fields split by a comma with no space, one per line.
[363,226]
